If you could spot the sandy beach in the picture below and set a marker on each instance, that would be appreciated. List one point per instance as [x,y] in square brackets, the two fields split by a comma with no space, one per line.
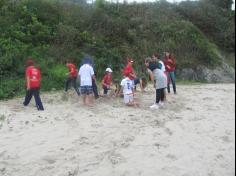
[193,135]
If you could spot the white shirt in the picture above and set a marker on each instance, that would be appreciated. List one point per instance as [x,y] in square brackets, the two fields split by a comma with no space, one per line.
[128,86]
[86,73]
[160,78]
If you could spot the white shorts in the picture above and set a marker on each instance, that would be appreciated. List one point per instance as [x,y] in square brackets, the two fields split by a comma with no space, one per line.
[128,98]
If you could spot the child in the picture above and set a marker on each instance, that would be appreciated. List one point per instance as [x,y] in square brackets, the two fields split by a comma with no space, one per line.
[107,81]
[160,83]
[142,82]
[33,82]
[127,86]
[71,77]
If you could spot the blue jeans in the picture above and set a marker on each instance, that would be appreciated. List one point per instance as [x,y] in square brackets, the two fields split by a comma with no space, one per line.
[172,79]
[29,94]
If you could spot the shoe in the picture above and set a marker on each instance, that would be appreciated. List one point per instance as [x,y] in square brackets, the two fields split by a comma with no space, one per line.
[161,104]
[155,106]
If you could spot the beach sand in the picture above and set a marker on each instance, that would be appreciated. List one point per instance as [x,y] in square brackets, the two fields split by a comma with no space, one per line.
[194,135]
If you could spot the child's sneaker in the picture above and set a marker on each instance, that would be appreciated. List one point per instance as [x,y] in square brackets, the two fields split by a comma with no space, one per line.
[155,106]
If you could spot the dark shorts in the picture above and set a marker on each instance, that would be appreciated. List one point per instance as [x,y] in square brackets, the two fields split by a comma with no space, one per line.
[86,90]
[106,90]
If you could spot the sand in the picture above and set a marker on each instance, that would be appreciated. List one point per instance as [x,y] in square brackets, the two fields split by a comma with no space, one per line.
[194,135]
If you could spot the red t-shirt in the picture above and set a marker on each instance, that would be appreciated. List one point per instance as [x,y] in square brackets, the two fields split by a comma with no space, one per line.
[128,69]
[170,64]
[107,79]
[34,76]
[72,69]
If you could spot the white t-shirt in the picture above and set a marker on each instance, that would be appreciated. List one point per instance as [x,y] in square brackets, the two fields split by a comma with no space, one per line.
[128,86]
[86,72]
[160,78]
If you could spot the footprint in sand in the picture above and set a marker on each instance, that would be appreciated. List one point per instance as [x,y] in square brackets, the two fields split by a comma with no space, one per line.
[168,131]
[49,159]
[116,158]
[171,157]
[226,139]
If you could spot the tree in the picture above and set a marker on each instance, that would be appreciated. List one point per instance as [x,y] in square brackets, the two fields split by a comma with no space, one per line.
[224,4]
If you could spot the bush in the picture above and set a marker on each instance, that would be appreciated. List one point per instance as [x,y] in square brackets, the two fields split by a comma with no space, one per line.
[11,87]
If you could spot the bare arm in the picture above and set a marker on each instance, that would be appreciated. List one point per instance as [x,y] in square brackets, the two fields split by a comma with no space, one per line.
[28,82]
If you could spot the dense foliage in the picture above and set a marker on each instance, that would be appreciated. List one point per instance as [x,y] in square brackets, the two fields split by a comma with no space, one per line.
[53,30]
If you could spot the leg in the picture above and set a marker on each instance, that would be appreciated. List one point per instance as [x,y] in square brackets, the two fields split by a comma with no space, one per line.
[105,90]
[38,101]
[173,81]
[168,82]
[84,99]
[83,93]
[158,96]
[163,95]
[95,89]
[75,86]
[90,99]
[67,83]
[28,97]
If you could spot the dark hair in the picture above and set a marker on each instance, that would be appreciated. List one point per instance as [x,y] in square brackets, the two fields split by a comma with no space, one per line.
[29,62]
[152,66]
[156,55]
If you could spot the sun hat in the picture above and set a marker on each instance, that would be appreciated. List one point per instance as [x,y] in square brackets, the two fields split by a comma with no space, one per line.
[109,70]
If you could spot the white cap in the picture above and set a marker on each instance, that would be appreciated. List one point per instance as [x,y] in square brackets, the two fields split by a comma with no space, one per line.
[109,70]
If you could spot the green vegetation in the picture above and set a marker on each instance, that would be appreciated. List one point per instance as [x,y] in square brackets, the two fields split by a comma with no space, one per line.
[52,31]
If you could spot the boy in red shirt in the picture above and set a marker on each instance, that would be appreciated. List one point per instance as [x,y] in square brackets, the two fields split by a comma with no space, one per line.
[33,80]
[129,70]
[72,77]
[107,81]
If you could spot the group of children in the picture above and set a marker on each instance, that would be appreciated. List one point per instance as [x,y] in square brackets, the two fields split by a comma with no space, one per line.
[160,72]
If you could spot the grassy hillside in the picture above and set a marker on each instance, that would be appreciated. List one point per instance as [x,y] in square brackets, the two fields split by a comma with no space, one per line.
[53,30]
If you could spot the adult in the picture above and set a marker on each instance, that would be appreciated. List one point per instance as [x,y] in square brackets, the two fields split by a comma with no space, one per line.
[88,60]
[33,81]
[71,77]
[170,65]
[159,80]
[156,59]
[86,76]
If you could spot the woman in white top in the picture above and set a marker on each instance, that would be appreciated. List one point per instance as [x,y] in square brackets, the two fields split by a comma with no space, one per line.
[160,82]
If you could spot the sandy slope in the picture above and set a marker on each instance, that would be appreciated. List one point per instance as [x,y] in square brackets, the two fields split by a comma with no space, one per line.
[193,136]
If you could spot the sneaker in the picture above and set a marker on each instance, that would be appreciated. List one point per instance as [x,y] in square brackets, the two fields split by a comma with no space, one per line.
[161,103]
[155,106]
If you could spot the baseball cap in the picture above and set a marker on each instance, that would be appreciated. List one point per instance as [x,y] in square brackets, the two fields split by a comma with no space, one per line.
[109,70]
